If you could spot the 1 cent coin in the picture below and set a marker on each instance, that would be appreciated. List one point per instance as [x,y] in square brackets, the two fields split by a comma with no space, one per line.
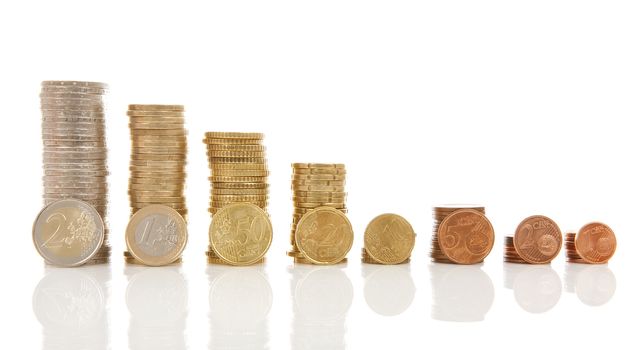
[596,243]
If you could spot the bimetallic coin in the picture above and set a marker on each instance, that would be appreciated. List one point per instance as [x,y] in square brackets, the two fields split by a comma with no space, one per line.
[156,107]
[68,232]
[389,239]
[156,235]
[595,243]
[240,233]
[233,135]
[537,240]
[324,235]
[466,236]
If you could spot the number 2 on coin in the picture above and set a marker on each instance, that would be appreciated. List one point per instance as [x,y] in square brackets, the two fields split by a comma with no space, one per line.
[52,241]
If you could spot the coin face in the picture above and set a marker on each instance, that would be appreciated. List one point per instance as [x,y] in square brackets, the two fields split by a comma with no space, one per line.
[538,239]
[466,236]
[240,233]
[324,235]
[389,239]
[68,232]
[596,243]
[156,235]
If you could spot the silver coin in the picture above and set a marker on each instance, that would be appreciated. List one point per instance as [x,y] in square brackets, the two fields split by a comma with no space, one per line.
[68,232]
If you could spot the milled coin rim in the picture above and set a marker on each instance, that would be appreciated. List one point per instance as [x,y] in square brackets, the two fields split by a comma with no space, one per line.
[313,212]
[264,251]
[410,251]
[100,224]
[158,260]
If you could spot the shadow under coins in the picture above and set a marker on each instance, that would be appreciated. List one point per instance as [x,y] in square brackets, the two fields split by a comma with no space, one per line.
[240,299]
[321,296]
[460,293]
[594,285]
[537,288]
[156,298]
[389,289]
[71,305]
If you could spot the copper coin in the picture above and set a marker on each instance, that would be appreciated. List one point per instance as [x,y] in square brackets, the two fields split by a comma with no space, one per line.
[596,243]
[466,236]
[538,240]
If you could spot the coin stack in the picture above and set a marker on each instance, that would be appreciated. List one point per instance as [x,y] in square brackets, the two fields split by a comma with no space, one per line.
[440,213]
[510,254]
[595,243]
[75,151]
[315,185]
[239,173]
[158,159]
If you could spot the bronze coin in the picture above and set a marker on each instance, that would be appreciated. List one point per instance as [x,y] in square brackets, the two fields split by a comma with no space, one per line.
[595,243]
[537,239]
[466,236]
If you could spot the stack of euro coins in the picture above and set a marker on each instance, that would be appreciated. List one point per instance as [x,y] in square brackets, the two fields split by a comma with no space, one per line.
[239,173]
[158,159]
[315,185]
[75,150]
[595,243]
[510,254]
[438,253]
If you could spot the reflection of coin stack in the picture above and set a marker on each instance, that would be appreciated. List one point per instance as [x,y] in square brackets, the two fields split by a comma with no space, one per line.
[75,152]
[159,156]
[321,298]
[239,172]
[239,303]
[439,214]
[315,185]
[157,302]
[71,306]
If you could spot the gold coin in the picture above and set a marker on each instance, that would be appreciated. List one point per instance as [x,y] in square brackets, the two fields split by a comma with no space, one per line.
[236,148]
[156,235]
[319,171]
[239,185]
[156,107]
[209,141]
[246,179]
[240,172]
[233,135]
[240,192]
[214,160]
[324,236]
[240,234]
[317,165]
[238,166]
[318,177]
[389,239]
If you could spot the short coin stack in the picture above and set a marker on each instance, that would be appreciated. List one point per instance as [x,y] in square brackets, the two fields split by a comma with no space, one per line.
[537,240]
[75,152]
[389,240]
[315,185]
[595,243]
[239,173]
[461,235]
[158,159]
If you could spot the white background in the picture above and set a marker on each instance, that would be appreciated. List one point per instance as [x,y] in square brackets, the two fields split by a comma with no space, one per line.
[522,106]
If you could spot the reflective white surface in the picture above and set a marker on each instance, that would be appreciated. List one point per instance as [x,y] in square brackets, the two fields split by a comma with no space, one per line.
[522,106]
[313,307]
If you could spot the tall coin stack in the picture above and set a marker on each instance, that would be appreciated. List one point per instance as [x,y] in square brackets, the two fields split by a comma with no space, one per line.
[315,185]
[468,239]
[239,173]
[75,151]
[158,159]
